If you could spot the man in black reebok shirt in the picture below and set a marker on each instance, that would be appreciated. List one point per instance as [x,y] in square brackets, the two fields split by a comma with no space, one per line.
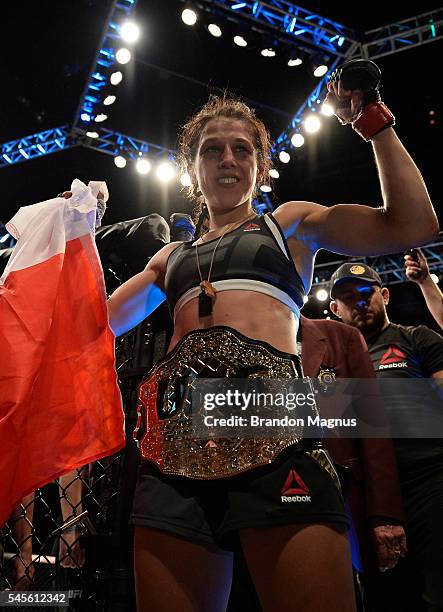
[403,353]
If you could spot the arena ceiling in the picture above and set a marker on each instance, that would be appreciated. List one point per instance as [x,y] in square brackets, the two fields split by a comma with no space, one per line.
[48,48]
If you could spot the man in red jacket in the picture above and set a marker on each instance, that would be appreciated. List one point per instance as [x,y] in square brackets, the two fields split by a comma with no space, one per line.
[373,487]
[373,490]
[413,356]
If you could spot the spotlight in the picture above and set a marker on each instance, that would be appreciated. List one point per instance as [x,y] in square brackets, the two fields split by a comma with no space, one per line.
[297,140]
[268,52]
[165,172]
[100,118]
[109,100]
[189,17]
[295,61]
[143,166]
[322,295]
[120,161]
[240,41]
[320,70]
[284,157]
[92,134]
[266,188]
[185,180]
[116,78]
[274,173]
[306,299]
[312,124]
[326,109]
[435,278]
[85,117]
[320,65]
[123,56]
[215,30]
[129,31]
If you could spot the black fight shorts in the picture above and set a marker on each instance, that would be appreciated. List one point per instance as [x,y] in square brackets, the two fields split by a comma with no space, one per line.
[295,488]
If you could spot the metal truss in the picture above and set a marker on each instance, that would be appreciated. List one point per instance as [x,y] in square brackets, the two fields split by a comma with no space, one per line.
[312,104]
[296,24]
[295,27]
[104,63]
[36,145]
[390,267]
[114,143]
[386,40]
[402,35]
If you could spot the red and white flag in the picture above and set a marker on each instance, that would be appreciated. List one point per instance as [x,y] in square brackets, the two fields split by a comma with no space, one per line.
[60,406]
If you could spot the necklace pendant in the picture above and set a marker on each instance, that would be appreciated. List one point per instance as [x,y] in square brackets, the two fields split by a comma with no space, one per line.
[208,289]
[205,305]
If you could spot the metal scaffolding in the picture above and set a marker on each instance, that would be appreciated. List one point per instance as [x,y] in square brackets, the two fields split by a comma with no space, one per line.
[390,267]
[104,63]
[402,35]
[114,143]
[36,145]
[293,25]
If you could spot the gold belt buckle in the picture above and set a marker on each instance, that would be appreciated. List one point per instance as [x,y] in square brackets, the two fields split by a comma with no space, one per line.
[169,442]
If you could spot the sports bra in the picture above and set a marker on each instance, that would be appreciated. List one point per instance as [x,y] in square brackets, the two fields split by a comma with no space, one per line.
[253,257]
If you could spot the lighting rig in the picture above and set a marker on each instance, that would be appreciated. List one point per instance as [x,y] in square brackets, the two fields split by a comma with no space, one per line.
[304,35]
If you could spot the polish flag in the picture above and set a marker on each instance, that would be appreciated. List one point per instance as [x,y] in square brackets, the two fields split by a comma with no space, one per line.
[60,405]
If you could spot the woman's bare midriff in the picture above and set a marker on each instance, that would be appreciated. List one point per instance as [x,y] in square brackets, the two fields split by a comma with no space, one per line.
[256,315]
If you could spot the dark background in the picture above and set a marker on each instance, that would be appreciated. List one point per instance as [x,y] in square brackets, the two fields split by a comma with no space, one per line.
[48,48]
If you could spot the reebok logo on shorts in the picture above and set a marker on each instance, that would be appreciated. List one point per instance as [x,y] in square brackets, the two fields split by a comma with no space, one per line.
[294,489]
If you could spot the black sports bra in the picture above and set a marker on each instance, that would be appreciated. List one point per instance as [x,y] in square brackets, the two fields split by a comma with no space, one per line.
[253,257]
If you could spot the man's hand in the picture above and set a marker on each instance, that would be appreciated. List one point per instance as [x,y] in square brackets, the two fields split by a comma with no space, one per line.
[390,544]
[416,271]
[70,554]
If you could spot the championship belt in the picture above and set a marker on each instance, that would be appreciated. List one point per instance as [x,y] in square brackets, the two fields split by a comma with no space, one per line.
[164,430]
